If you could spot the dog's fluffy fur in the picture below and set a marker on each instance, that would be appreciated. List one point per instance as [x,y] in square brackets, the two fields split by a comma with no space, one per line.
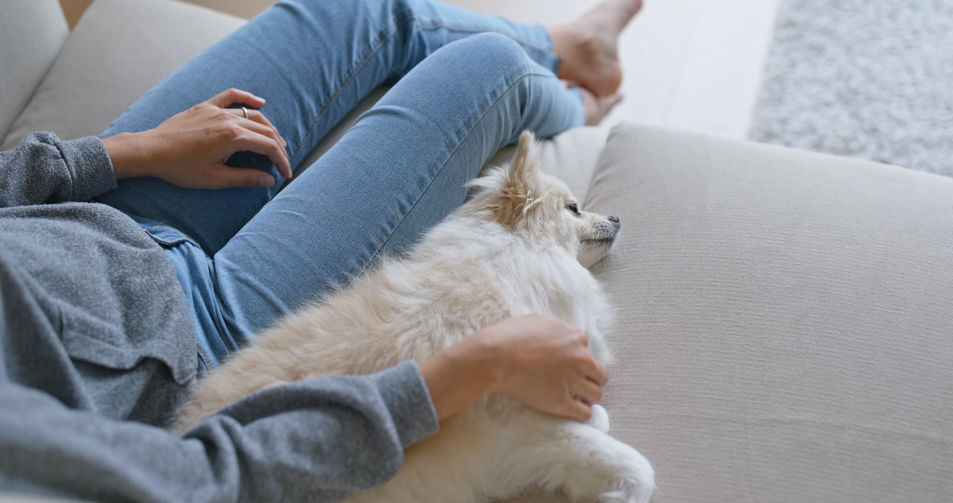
[516,247]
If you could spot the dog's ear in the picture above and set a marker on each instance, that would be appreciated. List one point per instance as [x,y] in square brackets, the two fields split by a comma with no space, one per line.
[523,172]
[520,188]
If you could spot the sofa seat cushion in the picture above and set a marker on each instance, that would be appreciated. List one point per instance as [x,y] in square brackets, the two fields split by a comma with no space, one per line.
[784,325]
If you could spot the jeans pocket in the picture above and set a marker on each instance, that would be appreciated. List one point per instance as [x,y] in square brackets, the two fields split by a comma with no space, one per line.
[163,234]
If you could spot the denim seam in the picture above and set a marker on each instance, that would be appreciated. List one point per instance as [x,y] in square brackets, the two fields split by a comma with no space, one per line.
[204,356]
[229,334]
[376,48]
[446,161]
[357,67]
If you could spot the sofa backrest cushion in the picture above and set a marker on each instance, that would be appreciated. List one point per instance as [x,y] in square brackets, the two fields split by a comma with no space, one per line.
[31,35]
[117,52]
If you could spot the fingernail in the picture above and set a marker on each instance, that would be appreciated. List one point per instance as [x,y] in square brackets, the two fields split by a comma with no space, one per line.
[265,181]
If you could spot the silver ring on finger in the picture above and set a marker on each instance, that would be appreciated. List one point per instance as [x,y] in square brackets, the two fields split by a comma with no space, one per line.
[245,111]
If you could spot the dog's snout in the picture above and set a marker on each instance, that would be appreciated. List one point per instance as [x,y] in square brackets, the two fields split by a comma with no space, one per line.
[614,219]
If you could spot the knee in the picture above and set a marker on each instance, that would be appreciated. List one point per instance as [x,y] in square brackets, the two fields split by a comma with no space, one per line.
[492,52]
[497,46]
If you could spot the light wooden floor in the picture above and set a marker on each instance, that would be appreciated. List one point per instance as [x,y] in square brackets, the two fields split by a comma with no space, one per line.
[690,64]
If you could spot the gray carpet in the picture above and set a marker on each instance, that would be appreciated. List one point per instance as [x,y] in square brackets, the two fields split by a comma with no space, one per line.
[862,78]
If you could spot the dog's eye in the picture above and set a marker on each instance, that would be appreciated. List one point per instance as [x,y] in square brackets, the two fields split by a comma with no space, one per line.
[573,207]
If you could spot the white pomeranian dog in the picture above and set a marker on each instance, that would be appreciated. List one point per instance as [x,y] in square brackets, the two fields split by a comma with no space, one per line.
[520,245]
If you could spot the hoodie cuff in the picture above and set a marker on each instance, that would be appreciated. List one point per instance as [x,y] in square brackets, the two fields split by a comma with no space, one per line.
[405,392]
[89,165]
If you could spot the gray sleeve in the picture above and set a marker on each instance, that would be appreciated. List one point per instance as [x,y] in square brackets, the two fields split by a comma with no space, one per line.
[316,440]
[44,169]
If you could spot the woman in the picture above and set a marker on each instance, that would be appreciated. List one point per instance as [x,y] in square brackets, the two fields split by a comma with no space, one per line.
[105,326]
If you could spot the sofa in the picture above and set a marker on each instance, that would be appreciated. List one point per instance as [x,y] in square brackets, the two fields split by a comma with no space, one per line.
[784,319]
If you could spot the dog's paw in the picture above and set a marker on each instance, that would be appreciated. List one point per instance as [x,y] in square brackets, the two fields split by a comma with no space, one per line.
[635,490]
[625,497]
[593,466]
[599,419]
[633,480]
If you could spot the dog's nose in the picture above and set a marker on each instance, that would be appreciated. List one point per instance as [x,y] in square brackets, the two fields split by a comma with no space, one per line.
[613,218]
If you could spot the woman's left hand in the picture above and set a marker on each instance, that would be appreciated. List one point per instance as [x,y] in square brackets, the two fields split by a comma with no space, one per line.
[539,360]
[190,149]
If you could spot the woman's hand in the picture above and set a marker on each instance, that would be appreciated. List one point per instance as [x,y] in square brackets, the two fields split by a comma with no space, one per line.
[546,364]
[539,360]
[189,149]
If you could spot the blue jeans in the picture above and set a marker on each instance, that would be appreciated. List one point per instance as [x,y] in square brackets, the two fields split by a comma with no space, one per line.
[464,85]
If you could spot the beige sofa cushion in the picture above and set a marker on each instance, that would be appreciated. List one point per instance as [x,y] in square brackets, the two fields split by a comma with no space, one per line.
[785,328]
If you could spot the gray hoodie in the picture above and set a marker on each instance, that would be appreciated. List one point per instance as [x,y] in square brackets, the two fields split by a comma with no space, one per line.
[97,348]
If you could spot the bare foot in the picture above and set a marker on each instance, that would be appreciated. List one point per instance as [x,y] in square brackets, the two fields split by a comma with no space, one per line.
[588,49]
[597,107]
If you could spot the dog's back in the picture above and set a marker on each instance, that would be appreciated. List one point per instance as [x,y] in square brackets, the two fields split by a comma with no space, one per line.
[465,275]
